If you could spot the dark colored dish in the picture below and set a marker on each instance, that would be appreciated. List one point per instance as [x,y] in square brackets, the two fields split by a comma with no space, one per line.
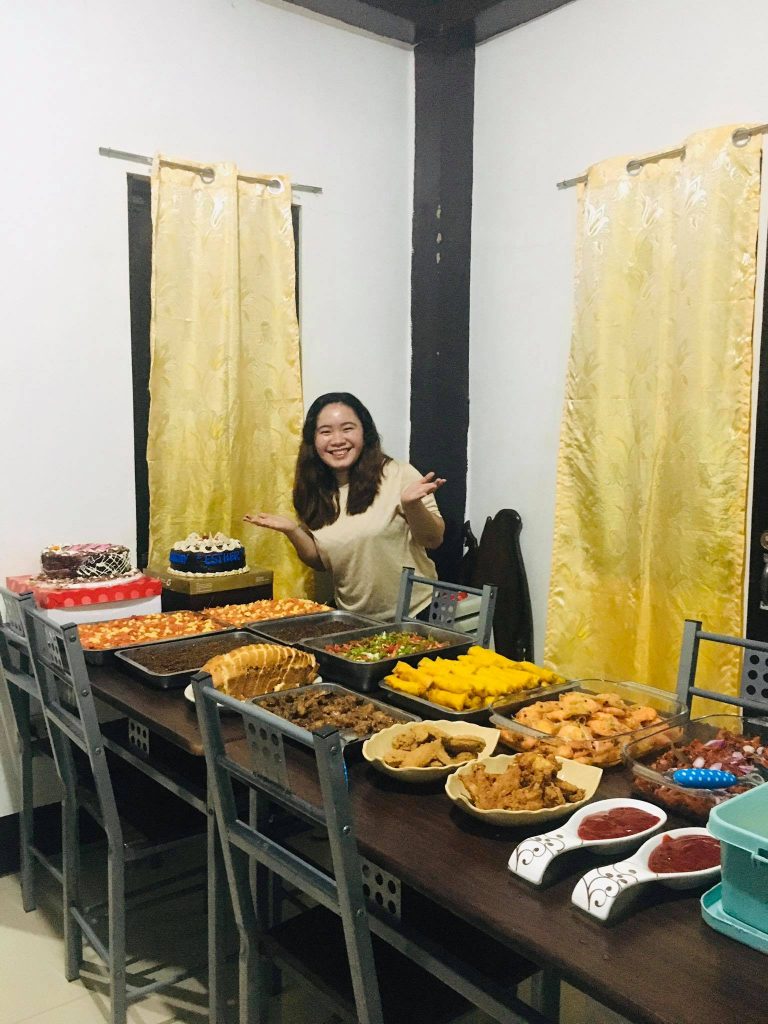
[300,627]
[292,705]
[172,663]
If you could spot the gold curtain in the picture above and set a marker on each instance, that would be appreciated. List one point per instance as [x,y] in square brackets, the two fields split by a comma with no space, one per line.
[225,380]
[653,466]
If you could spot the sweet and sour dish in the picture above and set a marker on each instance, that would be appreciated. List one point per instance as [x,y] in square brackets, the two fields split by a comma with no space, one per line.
[529,783]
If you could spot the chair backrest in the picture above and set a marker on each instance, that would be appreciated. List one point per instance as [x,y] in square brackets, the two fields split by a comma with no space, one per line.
[14,643]
[446,602]
[70,712]
[753,688]
[269,779]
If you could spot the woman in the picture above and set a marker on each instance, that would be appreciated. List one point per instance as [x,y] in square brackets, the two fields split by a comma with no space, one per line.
[362,515]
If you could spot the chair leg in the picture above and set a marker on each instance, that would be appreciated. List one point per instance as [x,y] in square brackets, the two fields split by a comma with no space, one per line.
[26,813]
[218,900]
[70,867]
[117,954]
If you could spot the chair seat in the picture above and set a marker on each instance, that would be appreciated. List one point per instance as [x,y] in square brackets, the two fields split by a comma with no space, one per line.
[312,944]
[151,817]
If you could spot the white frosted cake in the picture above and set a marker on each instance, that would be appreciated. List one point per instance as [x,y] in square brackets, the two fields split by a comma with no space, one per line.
[207,555]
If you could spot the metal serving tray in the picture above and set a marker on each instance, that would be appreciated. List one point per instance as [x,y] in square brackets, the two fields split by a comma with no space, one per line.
[108,654]
[273,628]
[348,739]
[174,680]
[428,709]
[365,676]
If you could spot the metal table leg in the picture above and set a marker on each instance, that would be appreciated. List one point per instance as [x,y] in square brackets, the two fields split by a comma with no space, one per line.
[21,701]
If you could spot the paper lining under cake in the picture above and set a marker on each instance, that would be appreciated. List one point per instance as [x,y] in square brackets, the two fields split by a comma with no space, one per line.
[207,555]
[82,563]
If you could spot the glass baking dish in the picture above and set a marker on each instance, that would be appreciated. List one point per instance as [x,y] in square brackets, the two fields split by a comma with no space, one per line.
[708,742]
[580,723]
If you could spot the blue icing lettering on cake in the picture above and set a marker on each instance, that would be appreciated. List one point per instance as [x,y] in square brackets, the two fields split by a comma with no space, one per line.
[207,554]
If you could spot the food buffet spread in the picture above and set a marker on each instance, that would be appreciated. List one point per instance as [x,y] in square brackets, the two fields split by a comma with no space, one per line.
[514,744]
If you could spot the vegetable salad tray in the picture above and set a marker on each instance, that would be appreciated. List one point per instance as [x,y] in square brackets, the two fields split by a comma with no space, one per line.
[365,675]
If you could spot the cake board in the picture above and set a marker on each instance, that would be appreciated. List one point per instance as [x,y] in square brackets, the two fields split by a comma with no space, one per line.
[193,593]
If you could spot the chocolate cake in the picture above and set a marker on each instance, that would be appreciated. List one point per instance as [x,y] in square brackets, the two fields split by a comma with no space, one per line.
[85,562]
[207,554]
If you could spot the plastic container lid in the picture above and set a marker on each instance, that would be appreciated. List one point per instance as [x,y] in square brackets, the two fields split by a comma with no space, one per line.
[743,821]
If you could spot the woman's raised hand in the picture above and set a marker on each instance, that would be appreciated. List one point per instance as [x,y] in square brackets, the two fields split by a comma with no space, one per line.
[283,524]
[419,489]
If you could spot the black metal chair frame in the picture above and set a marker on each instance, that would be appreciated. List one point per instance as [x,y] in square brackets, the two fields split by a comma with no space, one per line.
[71,716]
[753,688]
[23,689]
[445,603]
[252,859]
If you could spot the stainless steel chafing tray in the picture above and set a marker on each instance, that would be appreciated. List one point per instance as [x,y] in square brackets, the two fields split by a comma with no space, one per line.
[294,629]
[365,676]
[348,737]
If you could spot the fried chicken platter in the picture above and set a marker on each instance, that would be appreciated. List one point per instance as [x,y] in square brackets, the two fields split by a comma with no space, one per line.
[589,726]
[420,751]
[528,787]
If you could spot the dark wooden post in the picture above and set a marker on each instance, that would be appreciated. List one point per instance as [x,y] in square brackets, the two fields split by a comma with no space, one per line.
[442,223]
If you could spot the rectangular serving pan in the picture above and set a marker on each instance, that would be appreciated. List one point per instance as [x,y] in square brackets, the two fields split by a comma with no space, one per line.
[350,741]
[273,628]
[174,680]
[106,655]
[365,676]
[428,709]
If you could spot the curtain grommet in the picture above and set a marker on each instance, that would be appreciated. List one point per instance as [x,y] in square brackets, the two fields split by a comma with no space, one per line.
[741,137]
[276,187]
[634,167]
[207,175]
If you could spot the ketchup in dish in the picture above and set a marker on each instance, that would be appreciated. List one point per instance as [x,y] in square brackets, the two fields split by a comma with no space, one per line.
[684,853]
[616,823]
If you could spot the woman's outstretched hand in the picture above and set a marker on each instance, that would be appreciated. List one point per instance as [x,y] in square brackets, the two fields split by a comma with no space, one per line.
[419,489]
[283,524]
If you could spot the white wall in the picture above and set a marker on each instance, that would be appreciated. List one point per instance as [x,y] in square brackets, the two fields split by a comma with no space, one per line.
[266,87]
[594,79]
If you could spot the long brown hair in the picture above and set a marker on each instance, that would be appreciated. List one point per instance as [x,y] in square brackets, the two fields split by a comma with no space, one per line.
[315,490]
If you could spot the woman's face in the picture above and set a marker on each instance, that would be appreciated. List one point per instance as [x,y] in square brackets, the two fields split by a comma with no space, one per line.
[338,438]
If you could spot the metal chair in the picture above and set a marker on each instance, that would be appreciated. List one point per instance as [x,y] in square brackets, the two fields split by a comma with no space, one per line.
[446,602]
[372,955]
[24,694]
[753,688]
[157,826]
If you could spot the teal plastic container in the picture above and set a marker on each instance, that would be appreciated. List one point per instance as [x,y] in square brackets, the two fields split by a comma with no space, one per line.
[741,825]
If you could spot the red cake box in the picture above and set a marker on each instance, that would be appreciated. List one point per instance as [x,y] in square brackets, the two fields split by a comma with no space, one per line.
[130,588]
[91,602]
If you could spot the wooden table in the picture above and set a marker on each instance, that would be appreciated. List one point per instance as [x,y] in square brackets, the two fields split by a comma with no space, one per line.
[661,964]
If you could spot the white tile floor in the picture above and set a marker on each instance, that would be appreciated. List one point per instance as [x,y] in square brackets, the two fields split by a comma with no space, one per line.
[33,989]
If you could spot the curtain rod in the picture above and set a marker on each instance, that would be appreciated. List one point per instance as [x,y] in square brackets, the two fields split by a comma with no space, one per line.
[739,138]
[206,173]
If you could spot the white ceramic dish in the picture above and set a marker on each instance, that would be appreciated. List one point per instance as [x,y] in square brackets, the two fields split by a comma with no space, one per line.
[599,891]
[586,776]
[377,747]
[531,858]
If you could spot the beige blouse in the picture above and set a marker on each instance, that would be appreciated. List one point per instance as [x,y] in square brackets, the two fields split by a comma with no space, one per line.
[366,553]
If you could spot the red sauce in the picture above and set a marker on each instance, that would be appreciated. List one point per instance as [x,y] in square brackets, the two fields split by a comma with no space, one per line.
[685,853]
[616,823]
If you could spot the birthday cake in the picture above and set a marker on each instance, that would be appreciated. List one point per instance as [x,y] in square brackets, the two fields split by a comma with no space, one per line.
[84,562]
[206,554]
